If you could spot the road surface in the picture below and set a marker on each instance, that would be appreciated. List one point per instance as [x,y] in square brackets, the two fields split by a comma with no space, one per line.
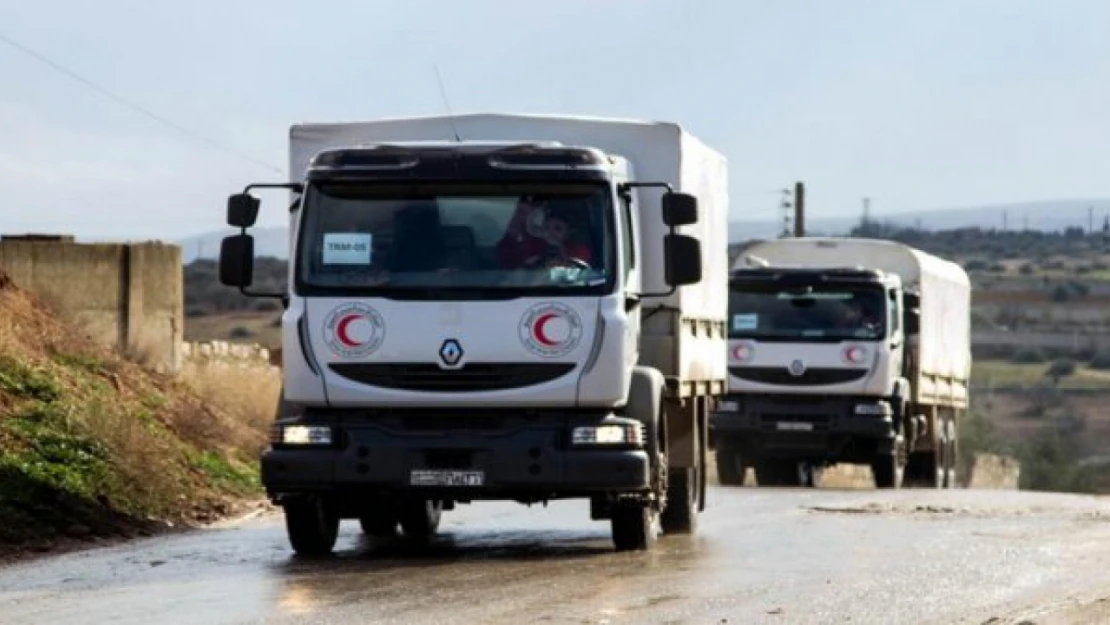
[760,556]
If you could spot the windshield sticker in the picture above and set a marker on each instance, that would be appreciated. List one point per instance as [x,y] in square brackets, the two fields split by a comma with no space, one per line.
[550,330]
[748,321]
[347,248]
[354,330]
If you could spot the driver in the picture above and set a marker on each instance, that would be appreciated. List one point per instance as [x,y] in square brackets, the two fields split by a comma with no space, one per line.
[551,246]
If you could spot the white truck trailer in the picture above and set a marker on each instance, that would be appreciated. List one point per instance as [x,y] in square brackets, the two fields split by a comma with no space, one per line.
[844,350]
[495,307]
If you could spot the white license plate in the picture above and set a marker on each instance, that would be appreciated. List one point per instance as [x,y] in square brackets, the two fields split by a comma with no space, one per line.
[447,478]
[795,426]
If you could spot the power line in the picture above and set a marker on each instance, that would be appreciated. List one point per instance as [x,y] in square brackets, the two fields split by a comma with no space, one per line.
[133,106]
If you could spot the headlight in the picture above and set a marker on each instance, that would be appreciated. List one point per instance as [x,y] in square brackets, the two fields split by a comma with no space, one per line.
[302,434]
[880,408]
[855,354]
[610,434]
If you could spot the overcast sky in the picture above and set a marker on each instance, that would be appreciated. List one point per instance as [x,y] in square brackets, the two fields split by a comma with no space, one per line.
[920,105]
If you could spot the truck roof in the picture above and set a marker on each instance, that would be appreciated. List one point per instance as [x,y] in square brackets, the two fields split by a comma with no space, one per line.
[909,263]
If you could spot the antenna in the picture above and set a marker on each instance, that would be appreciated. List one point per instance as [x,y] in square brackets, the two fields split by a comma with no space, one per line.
[447,104]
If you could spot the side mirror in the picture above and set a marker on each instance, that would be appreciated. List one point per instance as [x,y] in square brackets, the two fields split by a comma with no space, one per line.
[242,210]
[679,209]
[237,260]
[913,321]
[683,259]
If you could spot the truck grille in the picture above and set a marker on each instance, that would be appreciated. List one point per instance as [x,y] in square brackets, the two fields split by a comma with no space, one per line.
[812,377]
[473,377]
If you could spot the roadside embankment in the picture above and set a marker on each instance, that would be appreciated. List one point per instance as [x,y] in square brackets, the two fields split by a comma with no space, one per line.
[94,446]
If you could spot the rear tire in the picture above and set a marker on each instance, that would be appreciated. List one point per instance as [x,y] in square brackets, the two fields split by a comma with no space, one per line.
[420,518]
[887,471]
[379,523]
[730,467]
[633,527]
[312,527]
[777,473]
[681,514]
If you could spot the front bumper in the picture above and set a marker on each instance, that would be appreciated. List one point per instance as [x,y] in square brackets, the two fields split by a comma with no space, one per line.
[517,458]
[828,427]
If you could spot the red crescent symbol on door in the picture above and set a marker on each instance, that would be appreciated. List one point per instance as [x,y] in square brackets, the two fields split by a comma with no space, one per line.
[538,329]
[341,330]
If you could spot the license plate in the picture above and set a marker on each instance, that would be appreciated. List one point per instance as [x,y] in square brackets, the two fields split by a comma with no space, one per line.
[447,478]
[795,426]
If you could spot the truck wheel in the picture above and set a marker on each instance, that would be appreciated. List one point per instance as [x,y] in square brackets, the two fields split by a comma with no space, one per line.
[420,518]
[950,451]
[887,471]
[312,526]
[812,474]
[633,527]
[730,467]
[777,473]
[681,515]
[379,523]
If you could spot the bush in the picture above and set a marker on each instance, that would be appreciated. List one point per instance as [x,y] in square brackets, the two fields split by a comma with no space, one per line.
[241,332]
[976,265]
[1061,368]
[1028,356]
[1101,361]
[1026,269]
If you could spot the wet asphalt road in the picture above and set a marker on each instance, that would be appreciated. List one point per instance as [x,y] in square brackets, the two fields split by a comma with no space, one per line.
[760,556]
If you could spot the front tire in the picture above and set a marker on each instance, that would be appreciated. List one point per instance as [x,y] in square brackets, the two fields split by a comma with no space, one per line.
[681,514]
[312,527]
[633,527]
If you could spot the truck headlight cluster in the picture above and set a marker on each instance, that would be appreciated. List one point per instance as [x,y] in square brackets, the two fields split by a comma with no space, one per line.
[877,409]
[612,434]
[304,435]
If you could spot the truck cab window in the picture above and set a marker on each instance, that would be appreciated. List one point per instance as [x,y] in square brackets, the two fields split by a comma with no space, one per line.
[444,236]
[629,244]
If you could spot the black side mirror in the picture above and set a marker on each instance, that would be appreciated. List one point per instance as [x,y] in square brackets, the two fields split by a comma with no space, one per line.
[913,321]
[679,209]
[242,210]
[683,259]
[237,260]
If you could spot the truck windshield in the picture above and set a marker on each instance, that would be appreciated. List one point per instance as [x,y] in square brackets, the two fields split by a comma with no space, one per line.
[825,313]
[548,237]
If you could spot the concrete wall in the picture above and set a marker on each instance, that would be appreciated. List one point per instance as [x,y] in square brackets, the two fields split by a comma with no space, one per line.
[129,296]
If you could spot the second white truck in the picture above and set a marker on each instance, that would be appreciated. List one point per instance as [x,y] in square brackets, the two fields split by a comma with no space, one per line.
[495,307]
[844,350]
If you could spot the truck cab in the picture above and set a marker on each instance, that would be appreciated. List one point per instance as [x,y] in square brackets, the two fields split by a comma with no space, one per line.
[463,323]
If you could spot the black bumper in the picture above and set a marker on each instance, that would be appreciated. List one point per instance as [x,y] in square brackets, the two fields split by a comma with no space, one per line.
[527,459]
[826,428]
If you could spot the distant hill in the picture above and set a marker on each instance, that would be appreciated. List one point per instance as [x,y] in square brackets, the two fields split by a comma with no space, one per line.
[1047,216]
[273,241]
[1052,216]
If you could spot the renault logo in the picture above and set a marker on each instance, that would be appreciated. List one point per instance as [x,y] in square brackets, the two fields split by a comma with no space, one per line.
[450,353]
[797,368]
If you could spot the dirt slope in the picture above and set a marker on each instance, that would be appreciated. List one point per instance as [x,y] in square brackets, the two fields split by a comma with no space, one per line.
[94,446]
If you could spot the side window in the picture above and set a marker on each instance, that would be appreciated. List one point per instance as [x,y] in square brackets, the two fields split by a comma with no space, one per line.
[629,246]
[895,313]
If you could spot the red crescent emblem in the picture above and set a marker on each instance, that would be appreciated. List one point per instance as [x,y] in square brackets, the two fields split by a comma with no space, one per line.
[341,330]
[538,329]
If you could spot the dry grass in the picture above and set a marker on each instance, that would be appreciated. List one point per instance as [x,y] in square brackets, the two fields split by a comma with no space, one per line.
[90,438]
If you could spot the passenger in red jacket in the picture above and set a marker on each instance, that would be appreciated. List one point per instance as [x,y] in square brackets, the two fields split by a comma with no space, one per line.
[519,249]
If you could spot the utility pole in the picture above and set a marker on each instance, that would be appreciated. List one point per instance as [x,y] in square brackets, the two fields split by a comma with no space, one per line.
[799,209]
[787,213]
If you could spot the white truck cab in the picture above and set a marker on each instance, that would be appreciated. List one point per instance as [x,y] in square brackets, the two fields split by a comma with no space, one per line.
[520,315]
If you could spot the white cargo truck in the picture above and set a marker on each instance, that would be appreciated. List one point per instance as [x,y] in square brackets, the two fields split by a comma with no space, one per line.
[844,350]
[495,307]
